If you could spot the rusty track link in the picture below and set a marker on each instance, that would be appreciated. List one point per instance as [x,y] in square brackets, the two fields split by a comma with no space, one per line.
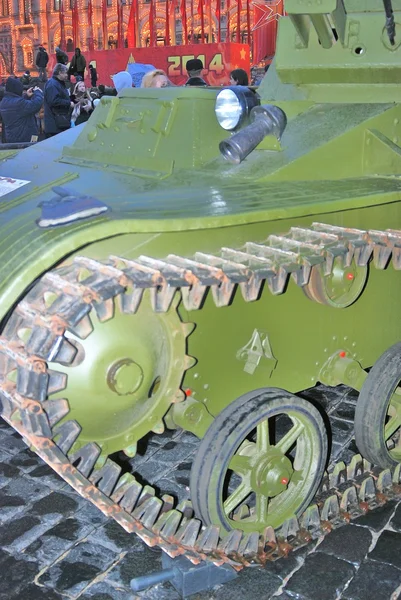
[63,299]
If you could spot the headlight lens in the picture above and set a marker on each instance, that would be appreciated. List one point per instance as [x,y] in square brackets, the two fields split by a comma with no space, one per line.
[233,106]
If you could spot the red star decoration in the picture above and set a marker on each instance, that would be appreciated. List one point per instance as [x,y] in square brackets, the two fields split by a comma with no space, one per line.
[269,14]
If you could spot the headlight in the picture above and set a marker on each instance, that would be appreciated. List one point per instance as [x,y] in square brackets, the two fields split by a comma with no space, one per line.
[233,106]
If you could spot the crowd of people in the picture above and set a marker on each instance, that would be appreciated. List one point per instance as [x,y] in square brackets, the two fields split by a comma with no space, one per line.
[30,112]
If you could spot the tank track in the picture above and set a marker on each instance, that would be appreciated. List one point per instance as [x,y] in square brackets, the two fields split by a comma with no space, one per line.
[26,381]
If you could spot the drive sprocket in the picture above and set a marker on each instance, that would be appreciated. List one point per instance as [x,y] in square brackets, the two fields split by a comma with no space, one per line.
[119,369]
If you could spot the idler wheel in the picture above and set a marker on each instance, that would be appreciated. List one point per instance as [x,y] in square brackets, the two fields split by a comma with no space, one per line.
[340,288]
[378,411]
[260,462]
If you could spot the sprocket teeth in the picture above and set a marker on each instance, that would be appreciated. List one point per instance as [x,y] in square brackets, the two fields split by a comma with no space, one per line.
[131,450]
[190,361]
[188,328]
[158,427]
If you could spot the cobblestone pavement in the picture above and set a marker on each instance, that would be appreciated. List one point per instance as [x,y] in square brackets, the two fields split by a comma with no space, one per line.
[55,545]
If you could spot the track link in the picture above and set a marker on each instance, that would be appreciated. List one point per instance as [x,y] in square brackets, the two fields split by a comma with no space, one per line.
[63,299]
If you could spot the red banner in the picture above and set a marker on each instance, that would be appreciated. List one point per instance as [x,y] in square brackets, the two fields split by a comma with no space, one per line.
[90,26]
[239,8]
[265,28]
[132,31]
[152,19]
[218,17]
[104,25]
[183,8]
[218,59]
[75,24]
[167,22]
[228,38]
[120,24]
[62,24]
[202,18]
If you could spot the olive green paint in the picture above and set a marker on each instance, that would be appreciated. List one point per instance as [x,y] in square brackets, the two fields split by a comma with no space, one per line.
[152,156]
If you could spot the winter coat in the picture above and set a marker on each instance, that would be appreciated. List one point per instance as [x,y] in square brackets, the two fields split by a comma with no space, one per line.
[93,75]
[78,64]
[57,100]
[196,81]
[42,58]
[18,116]
[61,57]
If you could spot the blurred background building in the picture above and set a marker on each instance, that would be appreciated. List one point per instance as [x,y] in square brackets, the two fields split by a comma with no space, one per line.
[109,24]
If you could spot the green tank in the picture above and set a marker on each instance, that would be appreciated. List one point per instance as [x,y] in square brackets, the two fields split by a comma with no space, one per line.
[196,259]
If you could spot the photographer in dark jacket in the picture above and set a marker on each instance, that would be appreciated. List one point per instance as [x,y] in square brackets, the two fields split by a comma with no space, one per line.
[42,58]
[58,103]
[18,113]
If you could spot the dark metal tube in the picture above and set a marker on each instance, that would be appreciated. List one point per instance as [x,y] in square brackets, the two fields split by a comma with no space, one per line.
[266,120]
[141,583]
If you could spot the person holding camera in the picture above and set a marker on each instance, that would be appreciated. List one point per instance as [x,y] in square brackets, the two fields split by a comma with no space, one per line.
[18,113]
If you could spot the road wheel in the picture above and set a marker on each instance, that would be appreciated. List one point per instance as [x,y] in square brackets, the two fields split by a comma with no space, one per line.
[260,462]
[378,411]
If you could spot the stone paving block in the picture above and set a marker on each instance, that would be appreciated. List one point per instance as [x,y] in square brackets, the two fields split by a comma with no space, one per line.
[349,542]
[134,564]
[20,527]
[78,568]
[24,488]
[23,531]
[373,580]
[165,591]
[172,486]
[104,591]
[26,461]
[89,511]
[283,567]
[377,519]
[154,469]
[11,443]
[4,425]
[7,473]
[35,592]
[55,503]
[113,536]
[250,583]
[388,549]
[395,522]
[153,443]
[322,577]
[44,474]
[15,574]
[54,542]
[175,451]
